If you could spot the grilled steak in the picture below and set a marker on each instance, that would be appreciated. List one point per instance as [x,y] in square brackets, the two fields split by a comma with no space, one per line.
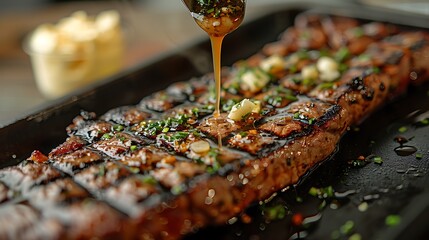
[155,170]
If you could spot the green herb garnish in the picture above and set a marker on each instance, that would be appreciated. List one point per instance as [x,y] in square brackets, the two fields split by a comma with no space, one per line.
[276,212]
[149,180]
[178,189]
[377,160]
[424,121]
[342,54]
[419,155]
[102,171]
[133,147]
[118,128]
[347,227]
[169,124]
[392,220]
[326,85]
[376,70]
[106,136]
[322,193]
[358,32]
[402,129]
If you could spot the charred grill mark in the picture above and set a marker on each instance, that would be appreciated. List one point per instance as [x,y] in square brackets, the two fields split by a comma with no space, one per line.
[76,161]
[126,116]
[88,130]
[153,169]
[56,193]
[331,113]
[357,84]
[27,174]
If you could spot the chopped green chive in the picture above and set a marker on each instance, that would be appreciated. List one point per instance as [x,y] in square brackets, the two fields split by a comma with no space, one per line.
[425,121]
[313,191]
[277,212]
[342,54]
[355,236]
[293,69]
[135,170]
[392,220]
[347,227]
[101,171]
[118,128]
[327,85]
[376,70]
[419,155]
[377,160]
[178,189]
[326,192]
[358,32]
[133,147]
[106,136]
[149,180]
[402,129]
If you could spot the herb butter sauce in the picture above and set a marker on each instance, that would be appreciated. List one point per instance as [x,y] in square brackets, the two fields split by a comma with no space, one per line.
[217,18]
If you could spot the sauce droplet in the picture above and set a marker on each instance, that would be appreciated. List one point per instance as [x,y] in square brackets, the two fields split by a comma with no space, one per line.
[404,150]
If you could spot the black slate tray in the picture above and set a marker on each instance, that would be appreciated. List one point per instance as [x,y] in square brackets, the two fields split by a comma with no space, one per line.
[399,186]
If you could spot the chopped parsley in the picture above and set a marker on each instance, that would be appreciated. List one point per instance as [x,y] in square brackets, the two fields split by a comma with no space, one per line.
[106,136]
[327,85]
[278,95]
[177,136]
[402,129]
[342,54]
[347,228]
[276,212]
[302,54]
[377,160]
[118,128]
[392,220]
[322,193]
[170,124]
[102,171]
[346,231]
[149,180]
[178,189]
[358,32]
[227,106]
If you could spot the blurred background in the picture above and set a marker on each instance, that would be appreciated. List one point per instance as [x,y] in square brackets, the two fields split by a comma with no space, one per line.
[150,27]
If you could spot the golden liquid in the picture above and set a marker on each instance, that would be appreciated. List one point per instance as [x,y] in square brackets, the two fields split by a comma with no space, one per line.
[216,52]
[217,27]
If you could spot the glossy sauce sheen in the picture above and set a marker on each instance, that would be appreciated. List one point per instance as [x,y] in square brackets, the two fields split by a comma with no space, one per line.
[218,19]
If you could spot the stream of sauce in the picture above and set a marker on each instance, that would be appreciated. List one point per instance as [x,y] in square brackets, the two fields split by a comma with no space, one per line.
[218,18]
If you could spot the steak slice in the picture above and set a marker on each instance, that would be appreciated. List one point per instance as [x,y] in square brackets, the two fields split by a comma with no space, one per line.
[167,167]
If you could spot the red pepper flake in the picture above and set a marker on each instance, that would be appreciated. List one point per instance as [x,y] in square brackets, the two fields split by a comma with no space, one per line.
[37,156]
[297,219]
[246,218]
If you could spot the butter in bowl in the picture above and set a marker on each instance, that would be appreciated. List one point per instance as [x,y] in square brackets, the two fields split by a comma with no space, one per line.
[76,51]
